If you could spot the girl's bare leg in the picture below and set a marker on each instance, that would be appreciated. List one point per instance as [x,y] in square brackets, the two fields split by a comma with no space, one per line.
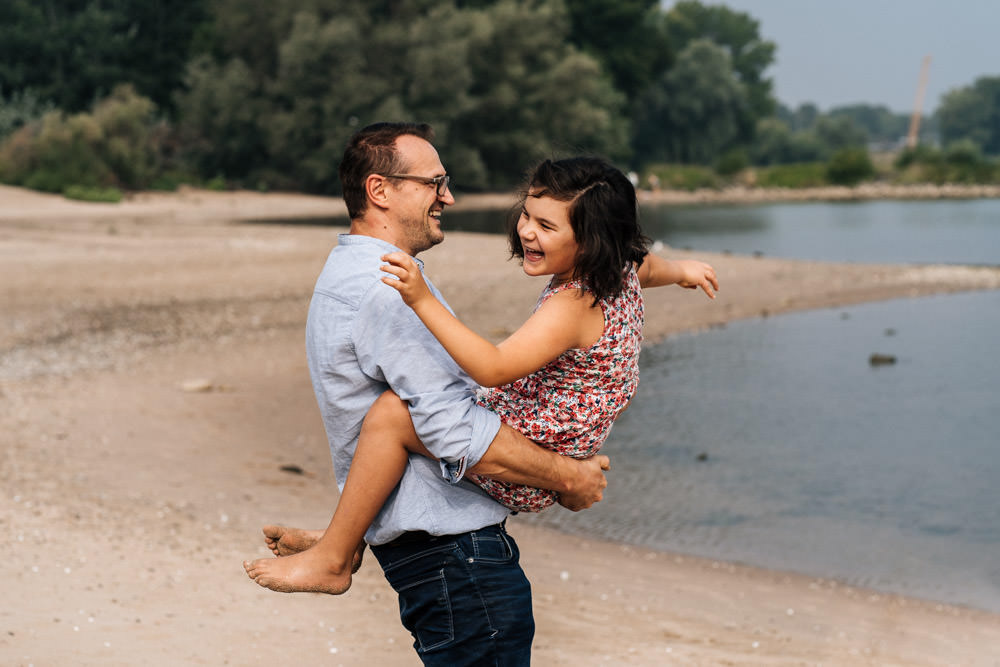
[387,437]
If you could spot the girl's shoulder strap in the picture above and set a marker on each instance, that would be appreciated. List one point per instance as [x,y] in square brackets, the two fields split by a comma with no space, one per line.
[631,280]
[551,289]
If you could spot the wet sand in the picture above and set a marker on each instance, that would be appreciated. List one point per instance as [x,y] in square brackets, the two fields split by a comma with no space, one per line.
[156,410]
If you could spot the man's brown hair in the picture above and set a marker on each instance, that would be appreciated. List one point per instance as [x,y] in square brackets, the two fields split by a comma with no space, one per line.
[373,151]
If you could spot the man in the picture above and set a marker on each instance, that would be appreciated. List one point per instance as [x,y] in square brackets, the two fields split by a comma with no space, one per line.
[439,539]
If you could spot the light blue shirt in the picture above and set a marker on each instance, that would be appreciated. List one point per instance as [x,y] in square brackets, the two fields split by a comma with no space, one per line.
[361,340]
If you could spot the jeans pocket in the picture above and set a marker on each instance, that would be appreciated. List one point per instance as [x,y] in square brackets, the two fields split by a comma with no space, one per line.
[492,547]
[425,609]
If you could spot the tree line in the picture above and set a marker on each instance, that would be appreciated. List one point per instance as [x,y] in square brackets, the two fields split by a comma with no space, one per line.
[138,94]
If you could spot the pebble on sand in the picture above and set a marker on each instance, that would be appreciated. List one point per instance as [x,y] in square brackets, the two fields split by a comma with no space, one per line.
[197,385]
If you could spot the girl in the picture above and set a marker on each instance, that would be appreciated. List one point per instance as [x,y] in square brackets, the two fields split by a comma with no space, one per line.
[561,379]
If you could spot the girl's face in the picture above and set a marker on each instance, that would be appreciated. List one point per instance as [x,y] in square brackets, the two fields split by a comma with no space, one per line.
[547,238]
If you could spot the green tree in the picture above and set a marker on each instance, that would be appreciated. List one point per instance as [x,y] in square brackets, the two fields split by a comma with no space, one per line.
[739,34]
[802,118]
[877,122]
[972,113]
[838,132]
[72,52]
[221,119]
[533,95]
[499,82]
[776,143]
[626,36]
[694,113]
[320,85]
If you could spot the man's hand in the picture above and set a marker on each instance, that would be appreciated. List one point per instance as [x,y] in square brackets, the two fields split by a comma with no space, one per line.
[511,457]
[588,485]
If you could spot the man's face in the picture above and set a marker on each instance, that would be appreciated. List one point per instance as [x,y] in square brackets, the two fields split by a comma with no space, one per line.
[419,205]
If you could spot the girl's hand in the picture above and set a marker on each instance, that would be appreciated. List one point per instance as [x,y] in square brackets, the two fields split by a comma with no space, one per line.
[410,284]
[695,274]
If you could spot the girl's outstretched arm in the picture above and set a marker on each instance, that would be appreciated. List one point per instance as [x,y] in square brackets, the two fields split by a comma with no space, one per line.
[566,320]
[656,271]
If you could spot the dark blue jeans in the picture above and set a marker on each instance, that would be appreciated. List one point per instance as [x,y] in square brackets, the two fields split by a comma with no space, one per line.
[464,598]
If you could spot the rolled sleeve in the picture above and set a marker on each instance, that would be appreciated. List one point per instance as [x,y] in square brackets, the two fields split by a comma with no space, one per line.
[394,346]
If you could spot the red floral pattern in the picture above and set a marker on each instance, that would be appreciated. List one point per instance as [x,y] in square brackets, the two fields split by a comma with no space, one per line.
[569,405]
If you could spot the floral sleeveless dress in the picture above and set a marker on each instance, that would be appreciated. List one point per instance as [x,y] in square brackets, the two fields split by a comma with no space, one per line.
[569,405]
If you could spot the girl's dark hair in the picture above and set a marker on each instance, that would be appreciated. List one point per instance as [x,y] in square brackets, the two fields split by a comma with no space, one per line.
[603,213]
[373,151]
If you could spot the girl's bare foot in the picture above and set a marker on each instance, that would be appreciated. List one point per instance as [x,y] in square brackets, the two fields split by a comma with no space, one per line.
[305,572]
[285,541]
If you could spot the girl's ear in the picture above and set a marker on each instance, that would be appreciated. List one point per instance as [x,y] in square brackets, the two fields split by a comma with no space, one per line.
[375,188]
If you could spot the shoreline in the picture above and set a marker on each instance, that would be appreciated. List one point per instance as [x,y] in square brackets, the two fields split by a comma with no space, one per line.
[862,192]
[154,383]
[189,204]
[741,195]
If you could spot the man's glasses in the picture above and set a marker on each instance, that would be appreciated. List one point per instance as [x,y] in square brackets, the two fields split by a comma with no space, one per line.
[440,182]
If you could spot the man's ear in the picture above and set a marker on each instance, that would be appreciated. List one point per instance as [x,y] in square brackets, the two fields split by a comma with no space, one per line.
[375,188]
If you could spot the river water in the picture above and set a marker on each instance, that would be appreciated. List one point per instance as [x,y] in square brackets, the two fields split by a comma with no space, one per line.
[943,231]
[773,442]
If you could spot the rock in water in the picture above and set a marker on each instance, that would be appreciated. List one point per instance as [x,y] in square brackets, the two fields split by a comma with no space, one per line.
[881,359]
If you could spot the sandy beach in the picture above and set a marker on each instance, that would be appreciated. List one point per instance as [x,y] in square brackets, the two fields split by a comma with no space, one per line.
[156,410]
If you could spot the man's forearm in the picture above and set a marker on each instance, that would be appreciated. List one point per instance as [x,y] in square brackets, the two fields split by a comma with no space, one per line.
[511,457]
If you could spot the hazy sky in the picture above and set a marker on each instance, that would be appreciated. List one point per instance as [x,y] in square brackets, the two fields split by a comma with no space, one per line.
[839,52]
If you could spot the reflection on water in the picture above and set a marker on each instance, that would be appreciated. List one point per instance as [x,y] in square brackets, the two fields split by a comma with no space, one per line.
[775,443]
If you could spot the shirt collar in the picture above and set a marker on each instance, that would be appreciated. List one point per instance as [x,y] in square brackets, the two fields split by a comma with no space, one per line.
[361,239]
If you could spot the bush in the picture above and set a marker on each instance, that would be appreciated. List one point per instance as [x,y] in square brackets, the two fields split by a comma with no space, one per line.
[801,175]
[960,162]
[777,144]
[850,166]
[128,122]
[732,163]
[920,154]
[119,144]
[83,193]
[681,177]
[54,153]
[172,179]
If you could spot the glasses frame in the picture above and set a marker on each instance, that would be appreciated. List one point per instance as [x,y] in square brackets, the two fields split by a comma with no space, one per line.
[439,182]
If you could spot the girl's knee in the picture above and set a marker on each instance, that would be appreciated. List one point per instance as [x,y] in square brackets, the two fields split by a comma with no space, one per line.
[389,420]
[390,406]
[389,416]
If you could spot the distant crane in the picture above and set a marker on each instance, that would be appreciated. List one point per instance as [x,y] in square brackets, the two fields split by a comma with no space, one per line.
[911,136]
